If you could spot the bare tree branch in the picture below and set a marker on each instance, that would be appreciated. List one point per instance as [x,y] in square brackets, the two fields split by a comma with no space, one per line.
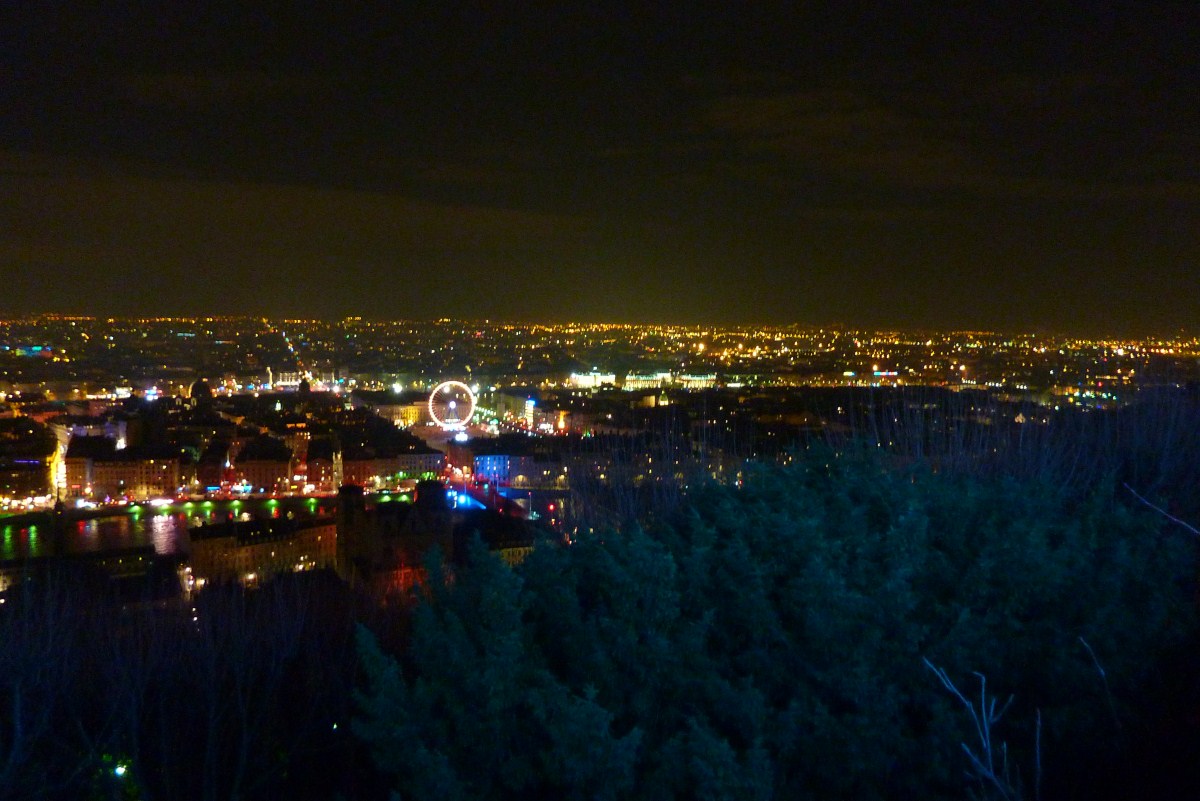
[1163,512]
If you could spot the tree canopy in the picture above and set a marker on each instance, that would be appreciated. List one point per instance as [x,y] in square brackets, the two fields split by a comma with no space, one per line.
[768,642]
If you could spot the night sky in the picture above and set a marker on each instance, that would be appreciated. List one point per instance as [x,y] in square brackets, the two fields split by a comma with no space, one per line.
[1001,165]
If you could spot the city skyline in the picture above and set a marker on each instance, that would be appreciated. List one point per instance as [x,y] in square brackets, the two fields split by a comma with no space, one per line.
[914,168]
[1096,334]
[168,353]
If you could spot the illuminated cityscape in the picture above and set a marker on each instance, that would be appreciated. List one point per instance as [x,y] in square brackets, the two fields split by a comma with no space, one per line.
[88,383]
[100,413]
[69,358]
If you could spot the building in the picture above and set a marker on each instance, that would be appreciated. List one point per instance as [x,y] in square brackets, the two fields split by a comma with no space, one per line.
[264,476]
[213,469]
[264,465]
[325,471]
[401,409]
[135,474]
[493,468]
[70,426]
[524,471]
[253,551]
[30,459]
[365,469]
[638,381]
[592,380]
[95,468]
[82,453]
[695,382]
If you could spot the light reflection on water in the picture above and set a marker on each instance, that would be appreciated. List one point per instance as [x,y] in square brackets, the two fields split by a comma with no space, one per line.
[165,528]
[168,532]
[17,542]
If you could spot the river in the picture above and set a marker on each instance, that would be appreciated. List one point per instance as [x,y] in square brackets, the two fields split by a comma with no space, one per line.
[164,527]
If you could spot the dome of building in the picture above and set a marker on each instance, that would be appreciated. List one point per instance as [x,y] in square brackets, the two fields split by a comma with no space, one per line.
[200,390]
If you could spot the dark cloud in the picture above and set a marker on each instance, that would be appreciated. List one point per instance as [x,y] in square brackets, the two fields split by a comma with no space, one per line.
[195,92]
[852,136]
[257,239]
[853,161]
[848,133]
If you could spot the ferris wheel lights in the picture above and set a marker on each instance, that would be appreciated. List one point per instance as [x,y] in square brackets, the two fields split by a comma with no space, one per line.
[444,403]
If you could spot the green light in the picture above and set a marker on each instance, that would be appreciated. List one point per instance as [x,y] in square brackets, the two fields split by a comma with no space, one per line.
[188,505]
[385,499]
[208,503]
[272,502]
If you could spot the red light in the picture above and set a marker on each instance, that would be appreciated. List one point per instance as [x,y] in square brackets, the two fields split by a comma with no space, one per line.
[551,507]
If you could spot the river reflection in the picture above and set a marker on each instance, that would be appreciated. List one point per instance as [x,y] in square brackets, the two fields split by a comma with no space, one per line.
[163,527]
[19,541]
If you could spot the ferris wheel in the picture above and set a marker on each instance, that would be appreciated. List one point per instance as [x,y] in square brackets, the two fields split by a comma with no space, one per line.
[451,404]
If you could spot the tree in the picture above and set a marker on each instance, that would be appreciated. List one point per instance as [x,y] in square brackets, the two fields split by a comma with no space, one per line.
[475,716]
[769,641]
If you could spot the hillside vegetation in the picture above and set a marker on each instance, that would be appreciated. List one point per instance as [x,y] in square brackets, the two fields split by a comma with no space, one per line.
[769,642]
